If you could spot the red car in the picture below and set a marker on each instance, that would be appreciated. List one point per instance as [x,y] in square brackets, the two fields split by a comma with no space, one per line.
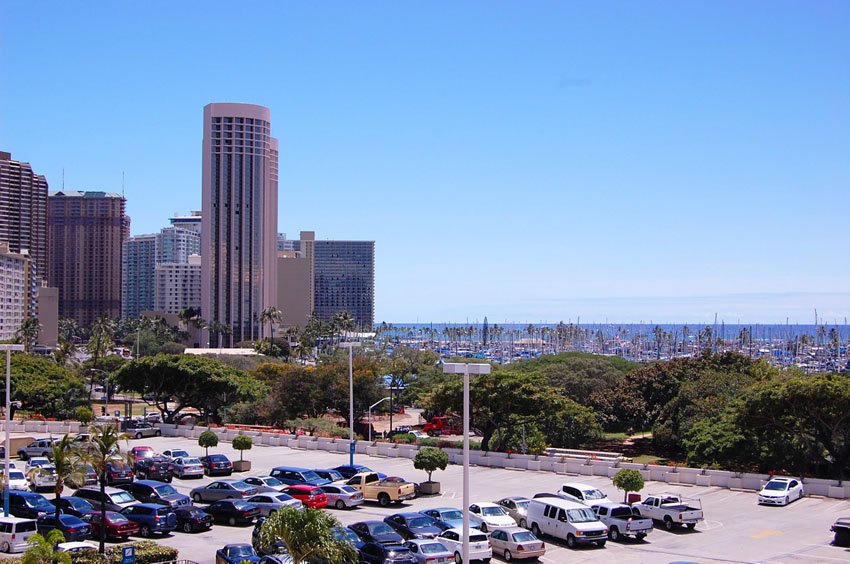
[311,496]
[138,453]
[117,526]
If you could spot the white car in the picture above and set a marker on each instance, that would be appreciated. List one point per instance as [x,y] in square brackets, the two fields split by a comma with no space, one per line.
[781,491]
[271,502]
[17,480]
[582,493]
[265,483]
[36,461]
[42,476]
[492,515]
[77,547]
[479,544]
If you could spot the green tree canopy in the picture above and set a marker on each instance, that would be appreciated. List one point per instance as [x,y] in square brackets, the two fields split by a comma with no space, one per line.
[628,480]
[175,382]
[45,387]
[430,460]
[308,536]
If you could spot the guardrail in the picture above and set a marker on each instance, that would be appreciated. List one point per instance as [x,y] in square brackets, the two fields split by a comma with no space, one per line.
[558,464]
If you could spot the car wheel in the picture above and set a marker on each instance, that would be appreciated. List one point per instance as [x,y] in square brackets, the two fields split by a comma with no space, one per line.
[508,556]
[571,541]
[640,536]
[145,531]
[23,456]
[157,434]
[138,435]
[6,547]
[535,529]
[458,558]
[384,499]
[340,504]
[691,526]
[614,534]
[668,523]
[187,527]
[787,500]
[483,527]
[523,524]
[231,521]
[601,543]
[197,498]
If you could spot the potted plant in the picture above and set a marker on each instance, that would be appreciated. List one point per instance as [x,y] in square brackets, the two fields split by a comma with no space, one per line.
[430,459]
[242,443]
[206,440]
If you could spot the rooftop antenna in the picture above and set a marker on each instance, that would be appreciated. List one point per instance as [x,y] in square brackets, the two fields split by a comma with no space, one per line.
[63,178]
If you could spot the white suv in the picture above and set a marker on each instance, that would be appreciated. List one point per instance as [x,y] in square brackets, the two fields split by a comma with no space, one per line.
[479,544]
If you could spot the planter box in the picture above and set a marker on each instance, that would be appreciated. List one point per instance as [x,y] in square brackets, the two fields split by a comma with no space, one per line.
[704,480]
[533,464]
[241,465]
[429,488]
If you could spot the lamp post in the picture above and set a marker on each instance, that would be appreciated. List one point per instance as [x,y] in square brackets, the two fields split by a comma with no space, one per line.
[370,415]
[8,422]
[466,370]
[105,389]
[351,445]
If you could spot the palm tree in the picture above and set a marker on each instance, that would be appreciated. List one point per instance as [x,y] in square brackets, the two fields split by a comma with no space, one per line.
[27,333]
[43,549]
[220,330]
[100,342]
[67,462]
[103,449]
[307,535]
[271,315]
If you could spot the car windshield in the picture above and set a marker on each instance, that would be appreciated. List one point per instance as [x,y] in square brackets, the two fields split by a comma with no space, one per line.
[240,485]
[348,489]
[311,476]
[116,518]
[16,476]
[776,486]
[242,505]
[333,475]
[593,494]
[416,522]
[524,536]
[188,461]
[123,497]
[241,551]
[166,490]
[78,503]
[283,497]
[273,482]
[492,511]
[217,458]
[346,534]
[584,515]
[522,505]
[178,453]
[432,548]
[41,501]
[380,529]
[477,538]
[451,515]
[148,453]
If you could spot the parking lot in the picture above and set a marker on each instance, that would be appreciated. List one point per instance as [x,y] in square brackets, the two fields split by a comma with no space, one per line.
[735,529]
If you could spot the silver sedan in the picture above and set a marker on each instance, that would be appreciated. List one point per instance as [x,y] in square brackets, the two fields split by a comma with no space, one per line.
[223,489]
[188,467]
[342,496]
[271,502]
[265,483]
[429,551]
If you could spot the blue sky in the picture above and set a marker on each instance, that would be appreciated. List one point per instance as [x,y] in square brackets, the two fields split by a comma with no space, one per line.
[528,161]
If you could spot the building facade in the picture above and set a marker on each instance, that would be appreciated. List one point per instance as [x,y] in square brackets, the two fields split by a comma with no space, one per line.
[23,212]
[239,219]
[295,282]
[137,275]
[344,280]
[177,244]
[191,222]
[15,302]
[86,232]
[178,285]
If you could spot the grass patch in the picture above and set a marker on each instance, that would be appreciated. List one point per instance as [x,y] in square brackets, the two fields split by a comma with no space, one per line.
[648,459]
[614,436]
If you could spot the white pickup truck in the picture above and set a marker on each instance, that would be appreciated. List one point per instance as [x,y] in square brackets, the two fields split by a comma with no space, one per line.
[623,520]
[672,510]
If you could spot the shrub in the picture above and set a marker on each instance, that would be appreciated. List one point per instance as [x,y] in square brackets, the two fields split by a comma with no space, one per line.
[83,414]
[147,552]
[208,439]
[628,480]
[429,442]
[242,443]
[430,460]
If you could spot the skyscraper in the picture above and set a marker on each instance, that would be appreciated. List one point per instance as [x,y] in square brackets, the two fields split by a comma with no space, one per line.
[239,219]
[344,280]
[14,292]
[86,231]
[23,212]
[176,244]
[137,273]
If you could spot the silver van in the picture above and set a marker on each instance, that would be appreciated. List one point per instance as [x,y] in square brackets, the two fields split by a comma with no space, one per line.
[564,519]
[15,533]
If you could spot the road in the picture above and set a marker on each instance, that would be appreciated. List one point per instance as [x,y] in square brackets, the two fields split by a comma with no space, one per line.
[736,528]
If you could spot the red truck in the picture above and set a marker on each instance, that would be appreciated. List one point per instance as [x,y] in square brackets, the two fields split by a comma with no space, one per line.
[444,425]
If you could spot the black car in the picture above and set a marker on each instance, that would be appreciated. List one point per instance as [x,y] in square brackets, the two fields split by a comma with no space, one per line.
[74,528]
[192,519]
[118,473]
[29,505]
[377,553]
[217,465]
[151,491]
[233,511]
[376,531]
[155,468]
[75,506]
[413,525]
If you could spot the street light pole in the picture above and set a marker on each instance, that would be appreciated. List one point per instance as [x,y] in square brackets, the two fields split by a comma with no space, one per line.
[105,389]
[371,407]
[351,444]
[466,370]
[8,422]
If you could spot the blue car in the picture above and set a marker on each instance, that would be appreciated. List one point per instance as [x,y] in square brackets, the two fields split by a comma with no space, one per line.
[151,517]
[293,476]
[350,470]
[377,553]
[235,554]
[74,528]
[75,506]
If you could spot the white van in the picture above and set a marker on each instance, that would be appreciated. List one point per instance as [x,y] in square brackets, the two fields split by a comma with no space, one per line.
[568,520]
[15,533]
